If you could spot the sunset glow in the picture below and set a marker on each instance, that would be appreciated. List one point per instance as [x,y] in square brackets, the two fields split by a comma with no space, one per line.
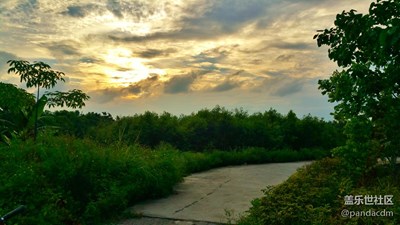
[178,56]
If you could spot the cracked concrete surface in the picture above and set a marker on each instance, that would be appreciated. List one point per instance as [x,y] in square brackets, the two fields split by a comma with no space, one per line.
[216,195]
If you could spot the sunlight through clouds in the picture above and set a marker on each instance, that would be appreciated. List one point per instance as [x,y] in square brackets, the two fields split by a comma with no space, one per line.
[130,70]
[140,50]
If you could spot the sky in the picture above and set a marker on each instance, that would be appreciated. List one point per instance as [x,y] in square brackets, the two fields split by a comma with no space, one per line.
[178,56]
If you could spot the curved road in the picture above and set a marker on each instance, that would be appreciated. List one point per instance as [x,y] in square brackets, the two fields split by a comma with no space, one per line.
[213,196]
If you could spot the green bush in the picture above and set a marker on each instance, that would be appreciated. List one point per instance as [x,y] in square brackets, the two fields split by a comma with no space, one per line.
[64,180]
[315,195]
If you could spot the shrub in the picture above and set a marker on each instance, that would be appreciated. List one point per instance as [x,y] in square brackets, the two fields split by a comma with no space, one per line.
[315,195]
[68,181]
[64,180]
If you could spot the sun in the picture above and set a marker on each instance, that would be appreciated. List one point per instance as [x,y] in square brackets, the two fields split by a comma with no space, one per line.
[123,69]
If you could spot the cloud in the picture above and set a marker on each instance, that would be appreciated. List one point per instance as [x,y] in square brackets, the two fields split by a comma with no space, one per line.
[228,15]
[226,86]
[137,10]
[292,46]
[80,11]
[63,49]
[285,57]
[144,88]
[75,11]
[105,95]
[115,7]
[199,20]
[289,88]
[179,84]
[216,54]
[182,34]
[173,38]
[231,81]
[88,59]
[183,83]
[282,85]
[4,57]
[153,53]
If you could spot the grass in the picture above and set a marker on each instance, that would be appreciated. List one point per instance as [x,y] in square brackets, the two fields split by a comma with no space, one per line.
[315,195]
[68,181]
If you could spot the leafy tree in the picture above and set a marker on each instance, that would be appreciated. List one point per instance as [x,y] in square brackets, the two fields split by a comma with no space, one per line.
[367,48]
[40,75]
[15,104]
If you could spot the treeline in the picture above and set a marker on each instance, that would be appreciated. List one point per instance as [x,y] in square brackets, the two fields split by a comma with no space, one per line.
[207,129]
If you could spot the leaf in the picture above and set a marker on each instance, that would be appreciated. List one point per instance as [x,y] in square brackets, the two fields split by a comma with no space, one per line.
[39,108]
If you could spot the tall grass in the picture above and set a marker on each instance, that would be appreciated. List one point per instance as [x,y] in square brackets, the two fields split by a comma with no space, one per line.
[67,181]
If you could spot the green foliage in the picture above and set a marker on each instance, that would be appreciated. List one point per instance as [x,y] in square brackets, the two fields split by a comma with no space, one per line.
[205,130]
[14,99]
[40,74]
[73,99]
[37,74]
[15,105]
[64,180]
[367,47]
[315,195]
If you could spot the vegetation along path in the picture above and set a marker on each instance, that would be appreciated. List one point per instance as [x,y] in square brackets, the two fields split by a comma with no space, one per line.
[215,196]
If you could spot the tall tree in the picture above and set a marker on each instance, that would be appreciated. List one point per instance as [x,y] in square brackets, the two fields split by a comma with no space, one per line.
[367,48]
[40,75]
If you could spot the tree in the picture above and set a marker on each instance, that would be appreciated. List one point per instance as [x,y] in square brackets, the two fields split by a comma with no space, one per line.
[367,48]
[40,75]
[15,104]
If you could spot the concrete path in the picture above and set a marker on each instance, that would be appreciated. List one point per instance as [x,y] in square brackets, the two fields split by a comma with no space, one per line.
[216,196]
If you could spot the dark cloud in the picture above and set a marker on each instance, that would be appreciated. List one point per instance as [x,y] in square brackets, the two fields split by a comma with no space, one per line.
[183,34]
[229,82]
[231,14]
[106,95]
[179,84]
[282,85]
[114,6]
[224,18]
[215,54]
[4,57]
[90,60]
[142,88]
[145,87]
[28,6]
[292,46]
[284,58]
[75,11]
[280,73]
[153,53]
[80,11]
[182,83]
[134,89]
[136,10]
[209,59]
[289,88]
[266,45]
[63,48]
[226,86]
